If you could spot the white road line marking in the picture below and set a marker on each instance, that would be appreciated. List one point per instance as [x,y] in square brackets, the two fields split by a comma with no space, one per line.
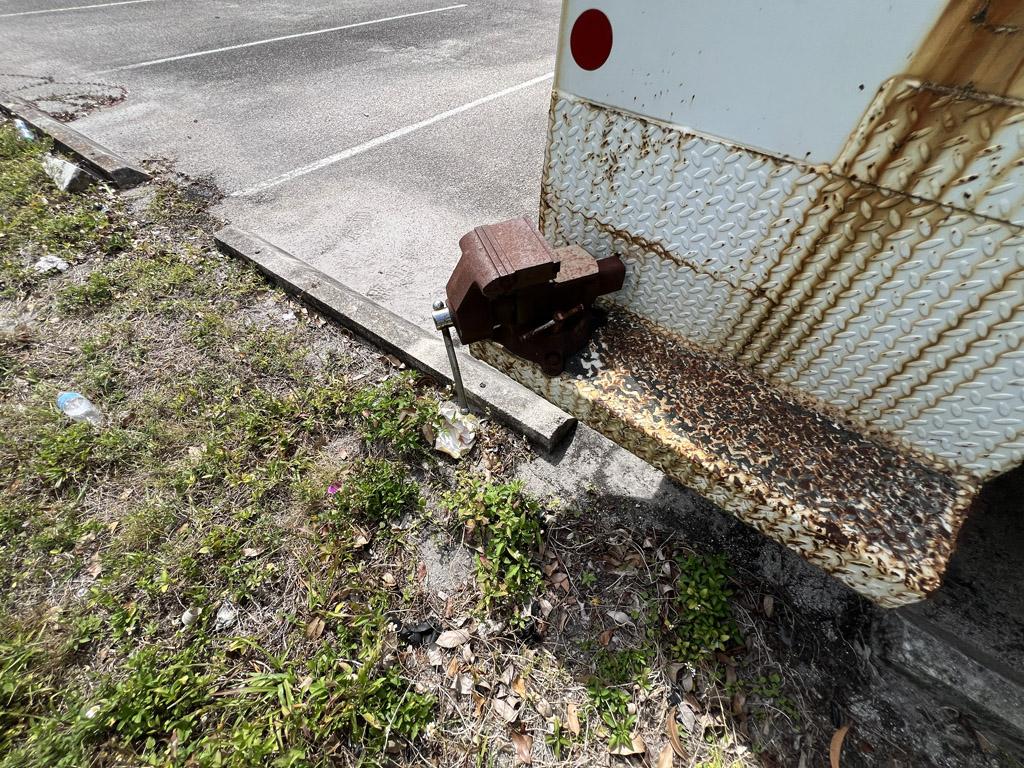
[74,8]
[358,149]
[212,51]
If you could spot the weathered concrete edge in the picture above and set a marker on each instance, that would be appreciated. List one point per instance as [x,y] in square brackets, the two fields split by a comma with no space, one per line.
[95,157]
[964,677]
[506,400]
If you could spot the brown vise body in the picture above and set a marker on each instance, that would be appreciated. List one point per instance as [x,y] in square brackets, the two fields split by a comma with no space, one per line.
[535,300]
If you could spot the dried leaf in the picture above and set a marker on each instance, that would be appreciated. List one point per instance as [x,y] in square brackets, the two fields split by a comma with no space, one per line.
[738,701]
[524,747]
[563,619]
[605,637]
[519,687]
[687,682]
[672,729]
[688,717]
[95,567]
[361,538]
[673,670]
[545,607]
[667,756]
[768,606]
[507,709]
[621,618]
[463,684]
[453,638]
[315,628]
[572,719]
[543,708]
[984,743]
[836,747]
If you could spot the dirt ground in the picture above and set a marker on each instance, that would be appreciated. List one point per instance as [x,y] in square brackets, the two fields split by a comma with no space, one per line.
[259,559]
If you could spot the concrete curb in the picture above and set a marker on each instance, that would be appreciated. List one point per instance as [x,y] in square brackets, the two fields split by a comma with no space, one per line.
[93,156]
[964,678]
[509,402]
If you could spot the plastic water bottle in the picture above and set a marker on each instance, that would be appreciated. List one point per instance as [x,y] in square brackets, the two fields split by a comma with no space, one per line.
[79,408]
[23,130]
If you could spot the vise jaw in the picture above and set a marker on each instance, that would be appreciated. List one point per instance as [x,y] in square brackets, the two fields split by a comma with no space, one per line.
[510,286]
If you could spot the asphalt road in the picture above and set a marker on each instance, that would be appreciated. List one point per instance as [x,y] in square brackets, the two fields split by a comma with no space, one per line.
[365,137]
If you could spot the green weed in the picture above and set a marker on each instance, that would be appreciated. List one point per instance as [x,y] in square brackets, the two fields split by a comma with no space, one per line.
[700,619]
[163,696]
[24,689]
[39,219]
[393,413]
[302,712]
[507,524]
[375,491]
[559,739]
[67,457]
[612,706]
[627,666]
[610,690]
[256,439]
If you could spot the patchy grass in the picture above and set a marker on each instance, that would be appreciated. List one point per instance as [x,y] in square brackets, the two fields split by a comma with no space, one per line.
[40,220]
[393,414]
[125,547]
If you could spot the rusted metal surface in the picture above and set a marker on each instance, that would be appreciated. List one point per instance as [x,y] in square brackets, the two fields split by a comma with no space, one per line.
[976,46]
[877,519]
[497,260]
[955,146]
[511,286]
[900,315]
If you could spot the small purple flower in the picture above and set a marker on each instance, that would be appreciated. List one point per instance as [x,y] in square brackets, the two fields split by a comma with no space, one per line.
[332,489]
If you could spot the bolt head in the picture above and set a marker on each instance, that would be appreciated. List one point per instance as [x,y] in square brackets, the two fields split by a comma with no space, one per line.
[439,304]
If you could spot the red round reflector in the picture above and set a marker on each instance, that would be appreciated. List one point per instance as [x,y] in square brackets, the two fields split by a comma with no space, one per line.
[591,39]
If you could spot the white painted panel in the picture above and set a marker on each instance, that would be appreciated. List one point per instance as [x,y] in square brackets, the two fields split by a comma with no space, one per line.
[789,77]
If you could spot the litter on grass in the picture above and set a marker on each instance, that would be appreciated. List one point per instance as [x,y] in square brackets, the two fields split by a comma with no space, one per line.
[49,264]
[67,176]
[456,432]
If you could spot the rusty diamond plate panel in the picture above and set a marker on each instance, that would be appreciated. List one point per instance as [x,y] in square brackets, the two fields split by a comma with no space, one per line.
[697,221]
[875,518]
[898,313]
[954,146]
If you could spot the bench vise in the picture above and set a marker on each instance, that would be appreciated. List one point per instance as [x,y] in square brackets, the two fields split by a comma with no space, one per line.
[510,286]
